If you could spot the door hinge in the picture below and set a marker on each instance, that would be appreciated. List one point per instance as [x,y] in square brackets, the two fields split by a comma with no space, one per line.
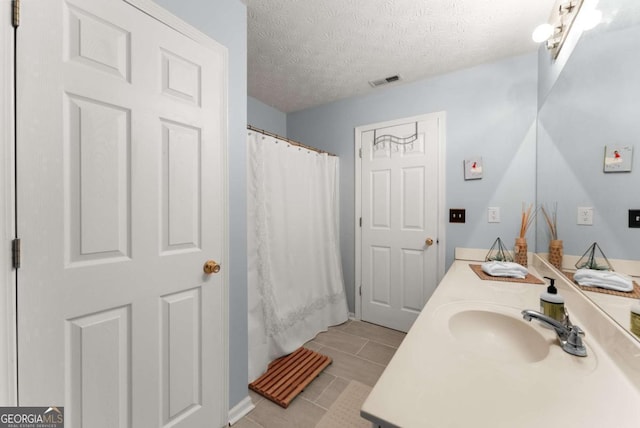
[360,221]
[16,13]
[15,253]
[360,290]
[360,153]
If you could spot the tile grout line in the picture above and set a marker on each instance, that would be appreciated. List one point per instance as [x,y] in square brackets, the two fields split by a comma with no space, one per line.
[335,378]
[362,347]
[253,420]
[324,389]
[372,340]
[355,356]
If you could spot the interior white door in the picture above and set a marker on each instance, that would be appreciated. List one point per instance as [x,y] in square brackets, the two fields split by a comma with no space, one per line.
[399,235]
[120,160]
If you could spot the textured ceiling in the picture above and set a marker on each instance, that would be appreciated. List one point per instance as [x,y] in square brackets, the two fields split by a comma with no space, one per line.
[303,53]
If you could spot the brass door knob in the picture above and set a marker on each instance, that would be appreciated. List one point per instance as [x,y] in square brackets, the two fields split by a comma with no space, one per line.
[429,242]
[211,267]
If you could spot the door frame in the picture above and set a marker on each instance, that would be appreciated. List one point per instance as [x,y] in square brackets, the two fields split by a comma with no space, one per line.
[8,338]
[8,298]
[441,226]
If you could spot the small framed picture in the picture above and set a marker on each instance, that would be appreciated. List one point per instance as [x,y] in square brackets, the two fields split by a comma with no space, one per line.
[473,168]
[618,158]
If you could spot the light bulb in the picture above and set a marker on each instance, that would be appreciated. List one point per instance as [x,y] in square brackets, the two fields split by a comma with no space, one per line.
[542,33]
[591,19]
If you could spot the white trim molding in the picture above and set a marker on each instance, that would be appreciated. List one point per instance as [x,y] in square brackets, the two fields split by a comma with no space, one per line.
[240,410]
[8,356]
[358,230]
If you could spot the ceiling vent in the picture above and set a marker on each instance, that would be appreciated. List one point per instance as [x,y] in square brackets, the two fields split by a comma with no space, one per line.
[386,80]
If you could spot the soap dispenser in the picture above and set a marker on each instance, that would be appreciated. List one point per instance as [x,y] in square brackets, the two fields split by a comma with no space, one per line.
[551,303]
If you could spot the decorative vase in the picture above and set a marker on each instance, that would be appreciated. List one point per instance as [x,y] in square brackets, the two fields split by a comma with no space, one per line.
[520,252]
[555,253]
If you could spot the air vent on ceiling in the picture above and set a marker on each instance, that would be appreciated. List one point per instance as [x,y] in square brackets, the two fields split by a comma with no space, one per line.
[384,81]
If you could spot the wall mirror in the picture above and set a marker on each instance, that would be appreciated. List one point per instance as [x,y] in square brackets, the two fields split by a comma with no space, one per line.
[594,106]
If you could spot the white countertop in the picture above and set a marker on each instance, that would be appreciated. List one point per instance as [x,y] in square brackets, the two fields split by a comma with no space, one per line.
[435,381]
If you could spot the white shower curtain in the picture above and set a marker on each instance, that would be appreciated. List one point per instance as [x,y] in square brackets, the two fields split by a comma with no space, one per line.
[295,279]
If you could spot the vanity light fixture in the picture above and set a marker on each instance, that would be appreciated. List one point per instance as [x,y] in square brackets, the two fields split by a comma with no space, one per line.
[591,18]
[542,33]
[554,32]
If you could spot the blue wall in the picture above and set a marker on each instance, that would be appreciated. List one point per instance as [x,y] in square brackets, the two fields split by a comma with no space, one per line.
[594,103]
[491,112]
[265,117]
[226,22]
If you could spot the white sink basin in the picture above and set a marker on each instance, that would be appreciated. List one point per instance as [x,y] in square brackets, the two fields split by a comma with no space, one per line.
[498,336]
[493,332]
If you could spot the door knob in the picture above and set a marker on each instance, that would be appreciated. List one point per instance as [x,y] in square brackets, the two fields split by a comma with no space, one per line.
[429,242]
[211,267]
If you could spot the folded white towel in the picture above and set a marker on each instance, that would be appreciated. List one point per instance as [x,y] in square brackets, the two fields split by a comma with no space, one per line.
[604,279]
[505,269]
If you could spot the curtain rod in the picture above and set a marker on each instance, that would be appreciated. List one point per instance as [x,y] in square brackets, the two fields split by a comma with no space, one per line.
[292,142]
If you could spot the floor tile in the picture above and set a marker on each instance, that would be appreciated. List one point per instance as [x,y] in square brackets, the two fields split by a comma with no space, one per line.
[317,386]
[246,422]
[312,345]
[338,340]
[377,352]
[342,326]
[376,333]
[330,394]
[300,413]
[351,367]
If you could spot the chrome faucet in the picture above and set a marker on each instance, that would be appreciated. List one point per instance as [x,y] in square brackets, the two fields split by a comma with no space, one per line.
[569,335]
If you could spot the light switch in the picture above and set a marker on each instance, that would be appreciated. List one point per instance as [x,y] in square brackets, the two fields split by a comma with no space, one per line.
[457,215]
[585,216]
[493,214]
[634,218]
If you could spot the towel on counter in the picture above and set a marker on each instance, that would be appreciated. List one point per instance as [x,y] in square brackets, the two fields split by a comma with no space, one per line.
[506,269]
[603,279]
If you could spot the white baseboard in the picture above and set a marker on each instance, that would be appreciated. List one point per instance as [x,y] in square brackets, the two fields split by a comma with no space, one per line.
[352,316]
[240,410]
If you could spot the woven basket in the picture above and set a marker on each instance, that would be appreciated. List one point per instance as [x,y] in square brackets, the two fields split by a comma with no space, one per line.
[520,252]
[555,253]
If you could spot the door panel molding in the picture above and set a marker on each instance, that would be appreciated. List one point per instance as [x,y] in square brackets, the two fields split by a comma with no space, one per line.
[441,221]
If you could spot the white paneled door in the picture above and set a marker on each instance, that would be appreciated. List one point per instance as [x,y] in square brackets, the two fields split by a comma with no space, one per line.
[120,203]
[400,219]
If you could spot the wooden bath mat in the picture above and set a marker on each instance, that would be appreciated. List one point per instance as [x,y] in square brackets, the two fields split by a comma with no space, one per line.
[634,294]
[288,376]
[529,279]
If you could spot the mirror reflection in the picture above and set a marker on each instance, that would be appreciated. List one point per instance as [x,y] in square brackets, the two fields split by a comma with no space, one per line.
[588,159]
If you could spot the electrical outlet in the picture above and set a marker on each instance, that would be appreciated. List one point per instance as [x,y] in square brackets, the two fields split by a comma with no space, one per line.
[585,216]
[493,214]
[634,218]
[457,215]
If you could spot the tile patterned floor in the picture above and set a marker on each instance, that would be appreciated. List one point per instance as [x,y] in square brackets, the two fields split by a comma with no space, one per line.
[360,351]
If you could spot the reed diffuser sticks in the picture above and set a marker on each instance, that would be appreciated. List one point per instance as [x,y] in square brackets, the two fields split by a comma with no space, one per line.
[552,220]
[527,219]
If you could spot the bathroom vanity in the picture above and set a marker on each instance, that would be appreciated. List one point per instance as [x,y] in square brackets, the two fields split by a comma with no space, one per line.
[470,359]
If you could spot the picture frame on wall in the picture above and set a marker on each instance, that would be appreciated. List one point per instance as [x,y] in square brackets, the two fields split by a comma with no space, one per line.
[473,168]
[618,158]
